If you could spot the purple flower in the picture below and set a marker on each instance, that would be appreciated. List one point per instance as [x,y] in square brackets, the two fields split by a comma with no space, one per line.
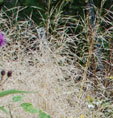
[2,40]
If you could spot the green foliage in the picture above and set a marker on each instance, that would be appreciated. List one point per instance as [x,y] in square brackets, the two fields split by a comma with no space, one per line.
[107,108]
[33,7]
[12,91]
[8,92]
[3,109]
[72,7]
[43,115]
[29,108]
[1,1]
[17,98]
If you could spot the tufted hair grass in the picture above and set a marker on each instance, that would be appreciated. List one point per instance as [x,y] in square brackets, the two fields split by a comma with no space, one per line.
[53,64]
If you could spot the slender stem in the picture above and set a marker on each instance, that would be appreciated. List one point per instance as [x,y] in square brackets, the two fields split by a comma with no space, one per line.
[4,81]
[87,65]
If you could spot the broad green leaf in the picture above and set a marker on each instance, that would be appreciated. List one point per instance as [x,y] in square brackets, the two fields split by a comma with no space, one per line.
[29,108]
[12,91]
[2,109]
[17,98]
[43,115]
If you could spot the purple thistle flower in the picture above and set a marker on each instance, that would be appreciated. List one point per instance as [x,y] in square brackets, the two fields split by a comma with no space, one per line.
[2,40]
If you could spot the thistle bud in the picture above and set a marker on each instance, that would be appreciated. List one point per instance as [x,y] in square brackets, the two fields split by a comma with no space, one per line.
[3,72]
[9,74]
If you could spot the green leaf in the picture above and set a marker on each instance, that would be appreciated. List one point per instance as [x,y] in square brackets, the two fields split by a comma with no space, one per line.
[12,91]
[2,109]
[29,108]
[43,115]
[17,98]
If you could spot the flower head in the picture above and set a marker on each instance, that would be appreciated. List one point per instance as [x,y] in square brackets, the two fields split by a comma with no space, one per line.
[2,40]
